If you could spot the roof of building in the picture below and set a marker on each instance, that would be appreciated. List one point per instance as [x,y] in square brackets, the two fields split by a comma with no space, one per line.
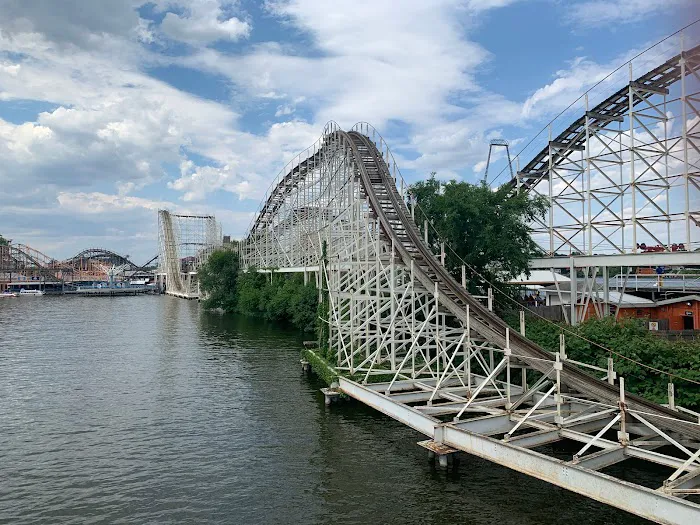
[684,299]
[628,300]
[624,300]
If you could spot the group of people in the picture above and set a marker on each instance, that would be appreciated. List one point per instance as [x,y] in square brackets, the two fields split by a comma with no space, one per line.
[680,247]
[534,299]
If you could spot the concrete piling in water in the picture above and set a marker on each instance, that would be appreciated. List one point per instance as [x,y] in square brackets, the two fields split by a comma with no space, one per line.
[445,454]
[330,395]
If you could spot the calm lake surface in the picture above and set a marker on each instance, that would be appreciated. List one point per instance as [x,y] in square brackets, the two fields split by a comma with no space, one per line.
[149,410]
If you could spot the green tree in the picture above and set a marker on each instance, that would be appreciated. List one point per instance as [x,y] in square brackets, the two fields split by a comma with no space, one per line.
[3,241]
[303,305]
[252,293]
[488,229]
[218,278]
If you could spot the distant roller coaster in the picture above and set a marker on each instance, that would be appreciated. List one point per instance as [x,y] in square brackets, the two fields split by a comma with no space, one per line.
[22,263]
[104,256]
[185,242]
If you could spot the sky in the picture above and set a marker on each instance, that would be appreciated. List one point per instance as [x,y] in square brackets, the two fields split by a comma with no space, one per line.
[113,109]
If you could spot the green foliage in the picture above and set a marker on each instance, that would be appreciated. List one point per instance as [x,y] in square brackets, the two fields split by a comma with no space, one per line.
[218,279]
[630,339]
[488,229]
[277,297]
[3,241]
[320,366]
[274,297]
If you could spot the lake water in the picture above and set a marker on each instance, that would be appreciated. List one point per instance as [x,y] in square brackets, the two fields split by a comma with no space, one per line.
[149,410]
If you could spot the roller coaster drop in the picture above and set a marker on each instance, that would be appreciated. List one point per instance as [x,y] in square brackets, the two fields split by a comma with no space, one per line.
[185,242]
[446,365]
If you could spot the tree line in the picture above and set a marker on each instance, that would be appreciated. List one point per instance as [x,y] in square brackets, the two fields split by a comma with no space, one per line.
[271,296]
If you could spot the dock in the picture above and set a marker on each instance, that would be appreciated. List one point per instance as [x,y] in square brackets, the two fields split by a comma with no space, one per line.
[109,292]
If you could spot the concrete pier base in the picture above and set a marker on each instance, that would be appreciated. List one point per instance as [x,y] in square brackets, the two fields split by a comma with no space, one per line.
[445,454]
[331,395]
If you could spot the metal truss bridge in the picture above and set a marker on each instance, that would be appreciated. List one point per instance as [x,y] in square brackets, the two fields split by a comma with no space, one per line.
[409,340]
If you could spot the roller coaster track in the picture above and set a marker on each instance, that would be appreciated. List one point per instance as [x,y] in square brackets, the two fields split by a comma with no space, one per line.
[170,258]
[396,310]
[612,109]
[402,232]
[23,258]
[105,256]
[605,174]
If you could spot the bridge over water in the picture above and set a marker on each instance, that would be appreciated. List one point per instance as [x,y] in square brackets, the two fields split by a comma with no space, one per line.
[409,340]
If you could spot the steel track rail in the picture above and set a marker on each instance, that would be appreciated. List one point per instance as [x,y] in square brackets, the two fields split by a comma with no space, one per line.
[285,186]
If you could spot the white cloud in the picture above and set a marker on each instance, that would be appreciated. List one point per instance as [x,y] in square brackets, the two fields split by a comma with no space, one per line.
[114,124]
[80,22]
[479,166]
[286,109]
[372,69]
[568,85]
[95,203]
[204,21]
[241,174]
[483,5]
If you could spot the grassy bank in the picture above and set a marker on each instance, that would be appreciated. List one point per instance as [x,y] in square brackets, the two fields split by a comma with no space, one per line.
[321,367]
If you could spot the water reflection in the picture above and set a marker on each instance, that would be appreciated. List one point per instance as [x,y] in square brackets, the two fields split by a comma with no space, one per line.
[146,410]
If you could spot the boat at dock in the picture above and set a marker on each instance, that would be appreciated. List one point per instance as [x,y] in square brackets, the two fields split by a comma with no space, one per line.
[31,292]
[7,293]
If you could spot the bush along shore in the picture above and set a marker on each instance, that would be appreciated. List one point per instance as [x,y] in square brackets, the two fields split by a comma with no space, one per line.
[278,297]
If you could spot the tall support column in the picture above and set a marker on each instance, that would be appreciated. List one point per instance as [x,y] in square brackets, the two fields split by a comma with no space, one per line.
[392,293]
[589,211]
[551,194]
[684,138]
[573,294]
[633,181]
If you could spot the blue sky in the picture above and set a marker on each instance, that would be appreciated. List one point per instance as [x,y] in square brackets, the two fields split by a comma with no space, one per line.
[111,109]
